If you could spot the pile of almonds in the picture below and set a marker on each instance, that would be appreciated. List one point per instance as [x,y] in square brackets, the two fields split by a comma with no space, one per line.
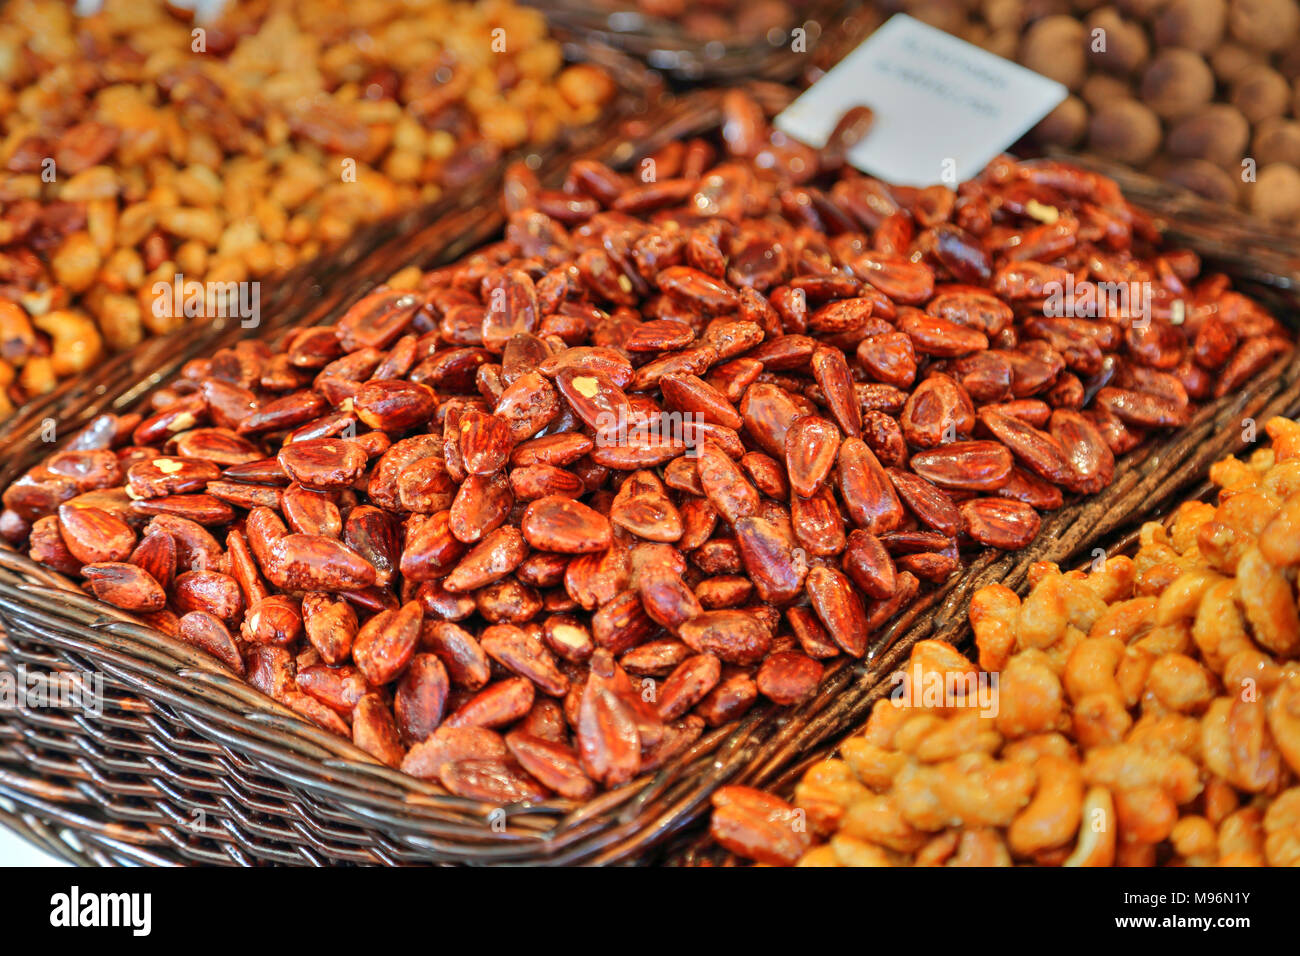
[133,150]
[531,523]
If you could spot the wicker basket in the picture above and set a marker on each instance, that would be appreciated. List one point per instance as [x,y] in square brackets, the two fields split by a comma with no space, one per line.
[189,764]
[830,28]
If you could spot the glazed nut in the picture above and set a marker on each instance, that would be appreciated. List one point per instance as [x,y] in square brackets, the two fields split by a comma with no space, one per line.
[530,523]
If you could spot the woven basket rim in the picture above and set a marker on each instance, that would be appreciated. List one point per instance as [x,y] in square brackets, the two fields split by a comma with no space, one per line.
[668,46]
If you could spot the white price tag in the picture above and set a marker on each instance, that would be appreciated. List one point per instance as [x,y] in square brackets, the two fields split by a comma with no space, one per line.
[943,108]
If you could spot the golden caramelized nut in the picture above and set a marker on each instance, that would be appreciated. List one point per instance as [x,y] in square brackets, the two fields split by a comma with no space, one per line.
[239,161]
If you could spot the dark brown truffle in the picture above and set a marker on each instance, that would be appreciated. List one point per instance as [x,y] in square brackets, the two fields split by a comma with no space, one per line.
[1277,140]
[1065,125]
[1126,43]
[1191,24]
[1261,93]
[946,15]
[1102,88]
[1005,43]
[1217,132]
[1264,24]
[1275,195]
[1176,83]
[1003,14]
[1140,9]
[1056,47]
[1287,62]
[1201,177]
[1230,60]
[1124,130]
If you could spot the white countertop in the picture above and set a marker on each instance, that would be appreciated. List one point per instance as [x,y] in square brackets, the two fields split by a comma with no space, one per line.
[15,851]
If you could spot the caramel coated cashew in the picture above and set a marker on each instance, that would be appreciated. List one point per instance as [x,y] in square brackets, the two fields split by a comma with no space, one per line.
[827,789]
[1219,630]
[993,616]
[1100,719]
[1284,721]
[876,766]
[1269,601]
[1096,846]
[1029,696]
[1194,840]
[877,819]
[1145,814]
[980,791]
[1052,816]
[1181,599]
[1113,581]
[981,847]
[1091,668]
[1043,615]
[1241,838]
[1126,621]
[1282,829]
[1285,435]
[1181,683]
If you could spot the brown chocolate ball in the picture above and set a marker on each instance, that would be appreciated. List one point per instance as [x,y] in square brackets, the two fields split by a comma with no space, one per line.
[1264,24]
[1230,60]
[1102,88]
[1217,133]
[1191,24]
[1004,43]
[1140,9]
[1276,140]
[946,15]
[1003,14]
[1065,125]
[1126,46]
[1124,130]
[1201,177]
[1261,92]
[1040,9]
[1287,62]
[1275,195]
[1056,47]
[1177,82]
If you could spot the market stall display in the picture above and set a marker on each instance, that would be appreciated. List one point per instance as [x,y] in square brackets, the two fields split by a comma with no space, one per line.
[432,435]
